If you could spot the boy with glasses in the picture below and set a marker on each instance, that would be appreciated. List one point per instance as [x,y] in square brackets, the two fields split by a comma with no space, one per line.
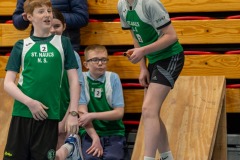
[101,108]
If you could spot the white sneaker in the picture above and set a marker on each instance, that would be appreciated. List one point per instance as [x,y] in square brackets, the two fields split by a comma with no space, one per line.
[75,141]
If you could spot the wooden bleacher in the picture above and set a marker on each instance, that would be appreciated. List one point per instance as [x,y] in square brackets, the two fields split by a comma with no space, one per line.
[190,32]
[174,6]
[110,33]
[200,65]
[7,7]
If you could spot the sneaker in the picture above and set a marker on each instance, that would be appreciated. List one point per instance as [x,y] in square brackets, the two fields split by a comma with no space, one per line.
[75,154]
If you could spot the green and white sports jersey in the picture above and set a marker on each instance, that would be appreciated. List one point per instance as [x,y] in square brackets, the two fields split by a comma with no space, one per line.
[42,62]
[99,99]
[146,18]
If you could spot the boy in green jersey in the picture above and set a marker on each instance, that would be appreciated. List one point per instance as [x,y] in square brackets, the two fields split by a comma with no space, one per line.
[101,109]
[41,60]
[154,39]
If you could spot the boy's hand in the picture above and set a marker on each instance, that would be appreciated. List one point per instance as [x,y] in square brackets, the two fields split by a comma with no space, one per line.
[85,119]
[134,55]
[38,110]
[71,125]
[24,15]
[144,78]
[96,148]
[128,53]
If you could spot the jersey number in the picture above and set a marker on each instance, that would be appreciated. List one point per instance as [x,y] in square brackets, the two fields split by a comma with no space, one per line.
[139,38]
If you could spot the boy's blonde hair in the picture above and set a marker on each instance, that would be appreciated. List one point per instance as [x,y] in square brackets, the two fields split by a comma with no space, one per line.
[94,47]
[30,5]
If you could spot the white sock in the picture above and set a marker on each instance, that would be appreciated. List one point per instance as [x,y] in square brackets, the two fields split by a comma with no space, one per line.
[69,147]
[148,158]
[166,156]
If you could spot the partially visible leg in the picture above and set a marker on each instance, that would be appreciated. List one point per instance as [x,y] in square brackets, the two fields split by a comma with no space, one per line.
[114,147]
[162,72]
[164,145]
[61,139]
[62,153]
[153,100]
[70,150]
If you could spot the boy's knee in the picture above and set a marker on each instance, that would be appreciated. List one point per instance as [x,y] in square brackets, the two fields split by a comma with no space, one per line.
[148,112]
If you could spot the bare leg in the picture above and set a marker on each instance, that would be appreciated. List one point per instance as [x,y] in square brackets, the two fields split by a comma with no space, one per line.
[163,146]
[70,149]
[61,139]
[61,153]
[153,100]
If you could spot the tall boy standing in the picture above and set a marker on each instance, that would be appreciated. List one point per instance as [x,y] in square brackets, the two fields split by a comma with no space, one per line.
[42,58]
[154,39]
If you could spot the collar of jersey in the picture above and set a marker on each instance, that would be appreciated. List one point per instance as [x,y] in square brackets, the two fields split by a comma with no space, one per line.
[100,79]
[134,4]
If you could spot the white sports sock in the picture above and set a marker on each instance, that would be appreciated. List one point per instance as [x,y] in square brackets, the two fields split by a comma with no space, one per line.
[166,156]
[148,158]
[69,147]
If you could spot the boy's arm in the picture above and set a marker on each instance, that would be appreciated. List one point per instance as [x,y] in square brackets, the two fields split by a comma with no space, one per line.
[82,109]
[96,147]
[37,108]
[71,125]
[80,79]
[11,88]
[168,38]
[115,114]
[144,74]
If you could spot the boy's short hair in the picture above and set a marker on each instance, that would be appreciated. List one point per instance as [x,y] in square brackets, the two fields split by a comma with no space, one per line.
[30,5]
[94,47]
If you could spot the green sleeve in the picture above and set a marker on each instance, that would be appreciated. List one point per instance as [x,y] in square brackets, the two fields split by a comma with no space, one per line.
[14,61]
[70,59]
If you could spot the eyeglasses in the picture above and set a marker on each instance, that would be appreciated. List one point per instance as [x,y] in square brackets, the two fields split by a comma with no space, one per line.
[97,60]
